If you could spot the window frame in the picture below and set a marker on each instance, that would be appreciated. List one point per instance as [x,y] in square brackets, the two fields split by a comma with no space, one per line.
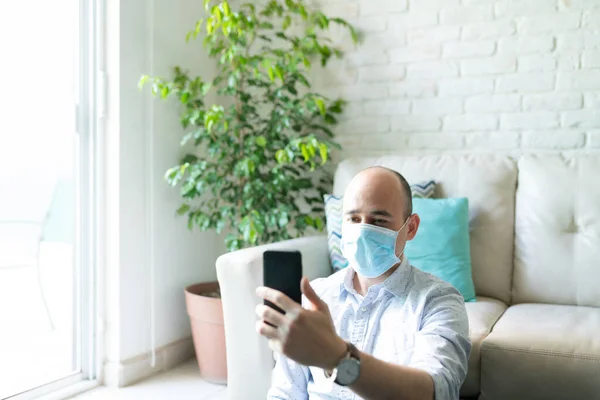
[89,88]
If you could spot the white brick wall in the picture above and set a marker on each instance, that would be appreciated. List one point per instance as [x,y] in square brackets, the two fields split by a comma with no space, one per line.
[468,75]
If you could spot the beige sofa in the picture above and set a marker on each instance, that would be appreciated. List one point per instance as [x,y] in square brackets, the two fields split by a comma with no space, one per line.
[535,246]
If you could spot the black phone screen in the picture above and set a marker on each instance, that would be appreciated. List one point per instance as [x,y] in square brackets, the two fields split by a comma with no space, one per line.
[282,270]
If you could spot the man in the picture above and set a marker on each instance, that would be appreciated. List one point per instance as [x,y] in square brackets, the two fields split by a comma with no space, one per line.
[381,329]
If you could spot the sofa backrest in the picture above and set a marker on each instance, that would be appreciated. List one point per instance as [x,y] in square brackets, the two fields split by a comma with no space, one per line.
[489,182]
[557,230]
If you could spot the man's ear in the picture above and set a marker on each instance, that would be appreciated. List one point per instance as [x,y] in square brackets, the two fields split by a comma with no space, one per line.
[413,226]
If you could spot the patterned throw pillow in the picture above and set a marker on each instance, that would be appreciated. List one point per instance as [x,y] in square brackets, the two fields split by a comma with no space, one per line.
[333,213]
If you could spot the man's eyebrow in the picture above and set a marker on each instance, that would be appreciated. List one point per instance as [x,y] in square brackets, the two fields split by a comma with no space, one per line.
[382,213]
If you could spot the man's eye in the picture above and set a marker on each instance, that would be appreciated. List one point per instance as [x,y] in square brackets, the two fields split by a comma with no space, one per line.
[380,221]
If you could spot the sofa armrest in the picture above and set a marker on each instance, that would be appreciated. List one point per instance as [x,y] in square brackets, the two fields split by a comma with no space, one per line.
[249,359]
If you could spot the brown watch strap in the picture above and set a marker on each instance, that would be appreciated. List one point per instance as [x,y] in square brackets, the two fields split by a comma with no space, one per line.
[354,353]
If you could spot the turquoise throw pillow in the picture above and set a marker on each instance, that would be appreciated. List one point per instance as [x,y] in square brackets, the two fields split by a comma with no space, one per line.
[441,246]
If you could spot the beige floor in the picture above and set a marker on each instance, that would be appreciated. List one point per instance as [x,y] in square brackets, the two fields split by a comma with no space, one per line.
[180,383]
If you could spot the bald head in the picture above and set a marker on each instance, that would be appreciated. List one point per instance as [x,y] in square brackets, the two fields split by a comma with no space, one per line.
[381,188]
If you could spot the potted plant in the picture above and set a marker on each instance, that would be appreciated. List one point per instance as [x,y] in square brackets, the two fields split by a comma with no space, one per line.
[257,166]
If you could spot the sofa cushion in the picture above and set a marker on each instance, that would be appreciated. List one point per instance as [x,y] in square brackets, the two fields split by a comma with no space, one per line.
[542,351]
[483,314]
[488,181]
[557,231]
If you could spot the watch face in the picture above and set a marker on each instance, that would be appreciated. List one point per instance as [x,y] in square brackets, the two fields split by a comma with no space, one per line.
[348,371]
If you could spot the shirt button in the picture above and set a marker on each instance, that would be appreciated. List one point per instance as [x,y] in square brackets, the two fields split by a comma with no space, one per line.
[364,309]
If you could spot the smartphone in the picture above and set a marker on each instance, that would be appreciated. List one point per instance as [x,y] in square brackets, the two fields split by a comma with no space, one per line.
[282,270]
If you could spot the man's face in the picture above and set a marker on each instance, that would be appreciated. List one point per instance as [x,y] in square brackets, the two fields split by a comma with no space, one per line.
[375,197]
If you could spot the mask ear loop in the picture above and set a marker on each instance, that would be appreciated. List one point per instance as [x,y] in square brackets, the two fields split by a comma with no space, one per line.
[405,222]
[401,255]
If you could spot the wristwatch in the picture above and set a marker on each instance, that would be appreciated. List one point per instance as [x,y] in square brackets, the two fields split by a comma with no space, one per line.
[348,369]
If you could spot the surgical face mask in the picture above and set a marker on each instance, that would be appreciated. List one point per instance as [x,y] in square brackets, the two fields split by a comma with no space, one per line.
[370,249]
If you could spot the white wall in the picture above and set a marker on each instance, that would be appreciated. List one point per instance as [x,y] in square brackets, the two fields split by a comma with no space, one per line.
[142,141]
[463,75]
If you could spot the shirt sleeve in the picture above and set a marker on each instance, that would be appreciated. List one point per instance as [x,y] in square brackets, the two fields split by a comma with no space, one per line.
[442,345]
[289,380]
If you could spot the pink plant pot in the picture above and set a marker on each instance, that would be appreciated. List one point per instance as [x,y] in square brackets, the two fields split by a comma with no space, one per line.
[206,318]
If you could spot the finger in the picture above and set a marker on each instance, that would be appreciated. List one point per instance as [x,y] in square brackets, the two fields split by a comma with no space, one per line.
[275,345]
[277,298]
[270,315]
[267,331]
[311,296]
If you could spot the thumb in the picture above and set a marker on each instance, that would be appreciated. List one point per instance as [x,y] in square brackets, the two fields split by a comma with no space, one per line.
[311,296]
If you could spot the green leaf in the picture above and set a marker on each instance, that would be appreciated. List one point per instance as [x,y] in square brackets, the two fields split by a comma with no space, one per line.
[321,106]
[303,12]
[354,34]
[188,189]
[281,156]
[250,6]
[253,235]
[164,92]
[171,174]
[189,159]
[303,80]
[250,167]
[292,89]
[226,9]
[261,141]
[143,80]
[216,12]
[322,20]
[271,74]
[232,81]
[323,152]
[220,226]
[311,150]
[206,4]
[305,153]
[283,219]
[185,97]
[337,106]
[287,21]
[290,154]
[318,223]
[186,138]
[279,72]
[183,209]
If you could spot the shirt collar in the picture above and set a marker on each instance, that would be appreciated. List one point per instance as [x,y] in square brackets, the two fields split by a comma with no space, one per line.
[395,283]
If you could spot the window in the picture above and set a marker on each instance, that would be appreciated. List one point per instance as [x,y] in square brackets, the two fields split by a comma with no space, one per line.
[47,195]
